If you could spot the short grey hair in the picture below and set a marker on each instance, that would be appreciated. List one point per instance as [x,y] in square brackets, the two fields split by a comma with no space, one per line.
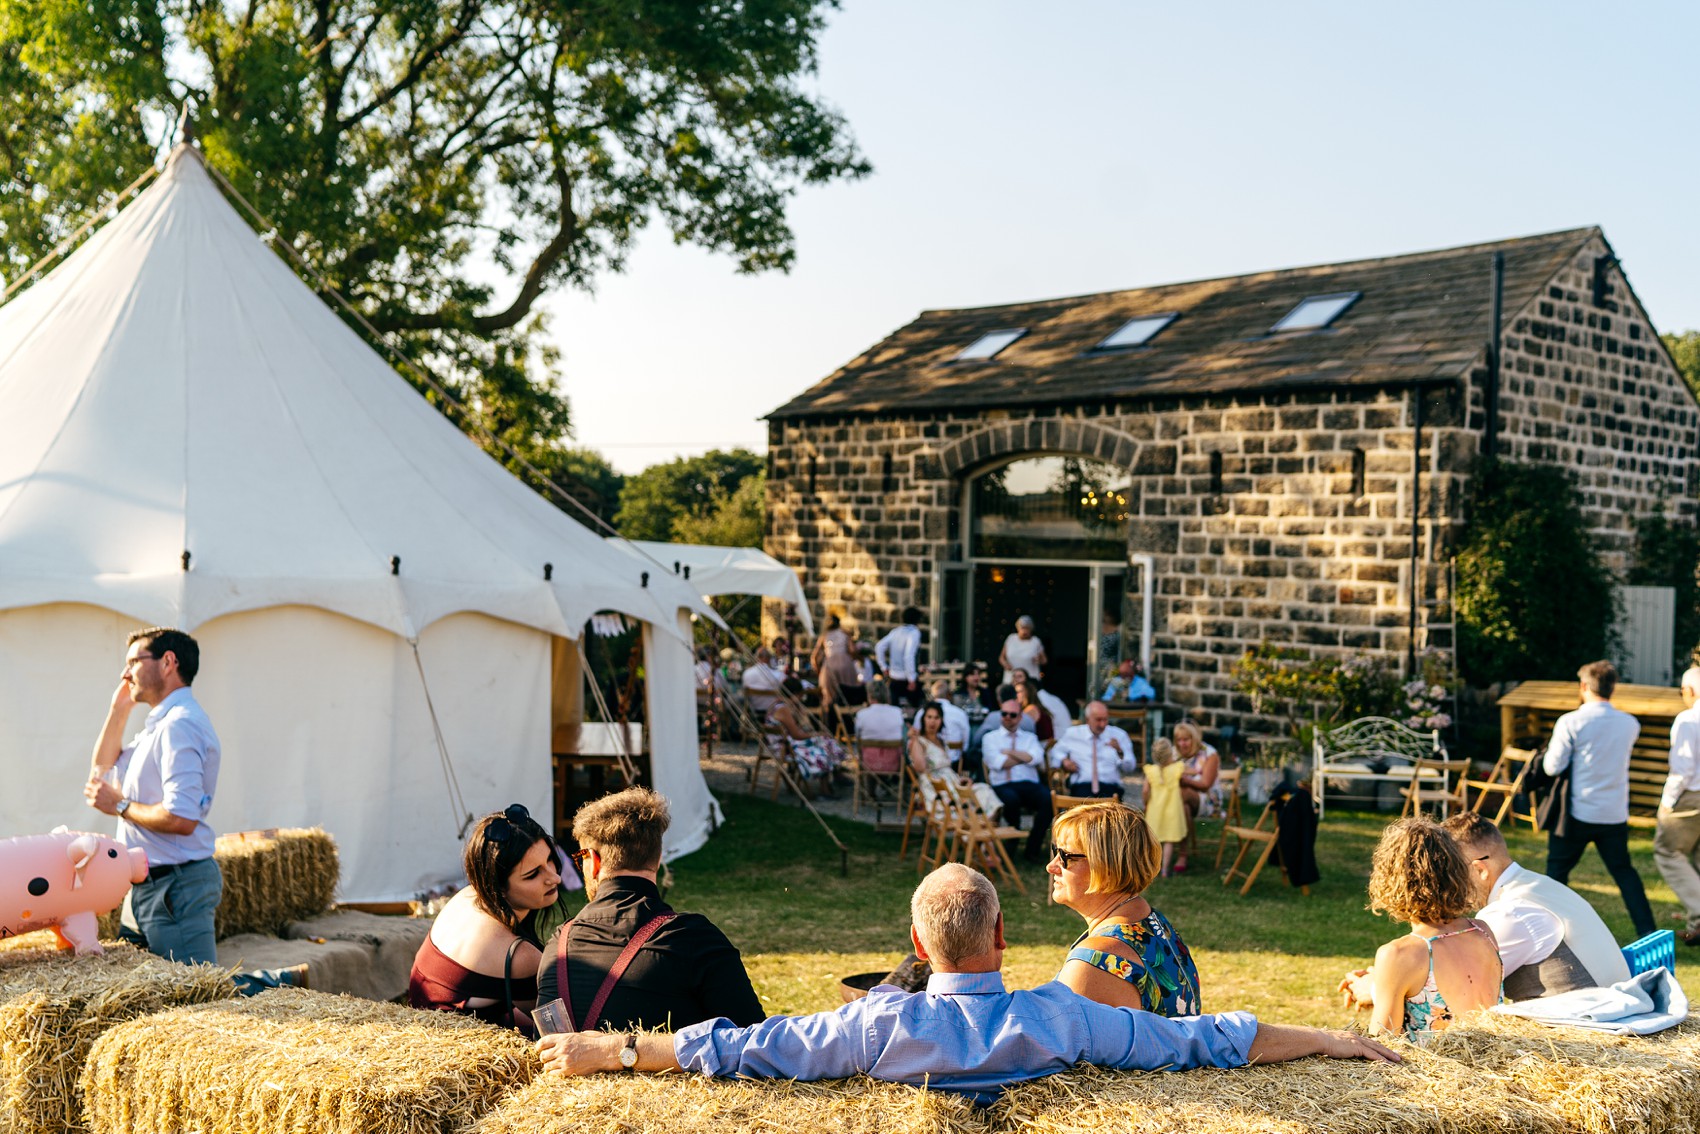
[1025,620]
[1691,678]
[955,911]
[878,693]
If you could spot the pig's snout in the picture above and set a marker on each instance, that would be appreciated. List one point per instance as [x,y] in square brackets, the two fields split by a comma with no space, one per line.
[138,866]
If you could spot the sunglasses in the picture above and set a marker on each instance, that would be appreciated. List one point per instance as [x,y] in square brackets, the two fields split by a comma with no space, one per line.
[581,859]
[1009,714]
[1067,857]
[506,825]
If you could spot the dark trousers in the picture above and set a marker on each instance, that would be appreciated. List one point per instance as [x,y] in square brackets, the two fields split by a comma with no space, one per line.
[1083,790]
[1021,797]
[1612,841]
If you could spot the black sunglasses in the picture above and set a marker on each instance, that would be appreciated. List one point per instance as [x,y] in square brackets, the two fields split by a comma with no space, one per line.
[1067,857]
[504,826]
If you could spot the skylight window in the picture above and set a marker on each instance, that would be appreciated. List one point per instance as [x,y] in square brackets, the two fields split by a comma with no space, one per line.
[989,344]
[1136,332]
[1316,312]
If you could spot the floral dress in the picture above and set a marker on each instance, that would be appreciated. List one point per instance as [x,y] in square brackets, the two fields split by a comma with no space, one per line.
[1165,975]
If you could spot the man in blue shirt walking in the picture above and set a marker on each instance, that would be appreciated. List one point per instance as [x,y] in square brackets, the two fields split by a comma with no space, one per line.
[965,1033]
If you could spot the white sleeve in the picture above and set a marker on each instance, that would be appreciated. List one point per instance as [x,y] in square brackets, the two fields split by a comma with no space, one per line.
[1527,933]
[882,652]
[992,748]
[1684,742]
[1557,756]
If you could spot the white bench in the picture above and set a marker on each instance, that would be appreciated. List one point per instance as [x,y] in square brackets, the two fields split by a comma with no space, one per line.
[1370,748]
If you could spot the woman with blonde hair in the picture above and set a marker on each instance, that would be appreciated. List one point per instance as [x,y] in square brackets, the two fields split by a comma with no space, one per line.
[1200,764]
[1103,857]
[1449,963]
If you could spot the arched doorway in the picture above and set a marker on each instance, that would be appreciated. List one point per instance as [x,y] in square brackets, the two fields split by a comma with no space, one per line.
[1043,535]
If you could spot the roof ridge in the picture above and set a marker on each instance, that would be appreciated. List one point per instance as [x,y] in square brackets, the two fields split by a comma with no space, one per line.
[1581,234]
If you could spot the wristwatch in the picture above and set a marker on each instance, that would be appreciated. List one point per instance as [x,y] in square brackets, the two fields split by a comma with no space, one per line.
[123,806]
[628,1054]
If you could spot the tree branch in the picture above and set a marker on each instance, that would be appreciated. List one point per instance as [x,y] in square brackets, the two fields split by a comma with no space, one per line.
[417,68]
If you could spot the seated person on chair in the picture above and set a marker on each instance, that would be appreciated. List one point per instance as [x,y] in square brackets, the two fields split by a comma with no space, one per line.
[1199,793]
[929,757]
[1015,762]
[956,727]
[762,681]
[1034,714]
[1129,955]
[685,972]
[1095,755]
[1129,684]
[879,721]
[816,755]
[1550,938]
[480,958]
[964,1034]
[1448,965]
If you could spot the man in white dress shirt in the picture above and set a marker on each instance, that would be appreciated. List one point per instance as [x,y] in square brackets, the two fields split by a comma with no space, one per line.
[1014,760]
[1676,846]
[899,655]
[1594,743]
[1095,755]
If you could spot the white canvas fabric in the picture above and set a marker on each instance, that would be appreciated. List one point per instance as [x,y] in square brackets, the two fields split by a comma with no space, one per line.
[728,571]
[172,386]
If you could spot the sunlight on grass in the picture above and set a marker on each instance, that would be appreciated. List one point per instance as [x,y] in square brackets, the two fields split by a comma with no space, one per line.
[771,881]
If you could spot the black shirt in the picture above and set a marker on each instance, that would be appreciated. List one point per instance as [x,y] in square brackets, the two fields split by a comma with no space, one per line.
[686,973]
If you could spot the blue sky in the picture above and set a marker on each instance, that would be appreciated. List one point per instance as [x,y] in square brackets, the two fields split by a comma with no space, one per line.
[1026,150]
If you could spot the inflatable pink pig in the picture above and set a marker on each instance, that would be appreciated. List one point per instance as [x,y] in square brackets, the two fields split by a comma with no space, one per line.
[64,881]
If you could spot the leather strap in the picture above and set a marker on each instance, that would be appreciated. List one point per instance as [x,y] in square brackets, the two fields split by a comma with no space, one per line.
[621,964]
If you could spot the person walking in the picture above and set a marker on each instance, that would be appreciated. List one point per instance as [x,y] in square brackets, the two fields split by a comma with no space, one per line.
[1676,845]
[1593,743]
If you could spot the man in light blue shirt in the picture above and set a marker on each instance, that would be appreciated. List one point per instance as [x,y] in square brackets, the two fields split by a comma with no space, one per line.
[1594,744]
[165,781]
[965,1033]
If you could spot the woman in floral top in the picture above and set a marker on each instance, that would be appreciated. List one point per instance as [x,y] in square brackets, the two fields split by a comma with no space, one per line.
[1129,955]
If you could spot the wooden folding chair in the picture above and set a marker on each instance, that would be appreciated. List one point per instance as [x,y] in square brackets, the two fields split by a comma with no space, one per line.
[878,764]
[1435,781]
[1265,831]
[983,841]
[1229,780]
[944,825]
[1505,781]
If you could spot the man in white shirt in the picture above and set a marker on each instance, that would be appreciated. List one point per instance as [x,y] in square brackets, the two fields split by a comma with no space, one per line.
[1013,760]
[1676,846]
[762,682]
[1095,755]
[1550,939]
[956,727]
[879,721]
[899,655]
[1594,743]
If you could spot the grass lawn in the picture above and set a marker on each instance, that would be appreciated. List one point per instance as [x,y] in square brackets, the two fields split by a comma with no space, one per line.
[770,879]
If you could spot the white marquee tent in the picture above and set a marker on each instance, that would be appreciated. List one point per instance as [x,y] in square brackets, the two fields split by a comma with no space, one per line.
[710,570]
[189,436]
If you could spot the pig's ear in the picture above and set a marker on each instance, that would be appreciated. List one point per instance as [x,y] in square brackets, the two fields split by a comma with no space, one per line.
[60,830]
[80,851]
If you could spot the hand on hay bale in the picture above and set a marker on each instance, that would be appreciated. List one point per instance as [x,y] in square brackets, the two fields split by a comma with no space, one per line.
[290,1060]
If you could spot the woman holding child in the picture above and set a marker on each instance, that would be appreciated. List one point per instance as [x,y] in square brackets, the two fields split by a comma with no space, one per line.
[1104,856]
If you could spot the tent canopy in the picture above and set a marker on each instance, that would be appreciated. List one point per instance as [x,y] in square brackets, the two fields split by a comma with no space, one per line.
[727,571]
[189,432]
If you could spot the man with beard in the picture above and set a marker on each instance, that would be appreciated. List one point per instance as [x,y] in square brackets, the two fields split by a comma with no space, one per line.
[650,967]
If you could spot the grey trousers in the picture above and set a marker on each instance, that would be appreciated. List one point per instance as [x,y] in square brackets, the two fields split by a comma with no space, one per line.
[1676,850]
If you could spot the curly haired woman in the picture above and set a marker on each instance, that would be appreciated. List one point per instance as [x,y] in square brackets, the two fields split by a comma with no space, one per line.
[1448,964]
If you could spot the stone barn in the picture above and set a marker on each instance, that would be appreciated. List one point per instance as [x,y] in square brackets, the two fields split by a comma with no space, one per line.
[1278,456]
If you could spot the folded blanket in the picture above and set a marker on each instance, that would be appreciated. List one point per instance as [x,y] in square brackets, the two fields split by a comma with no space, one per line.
[1645,1003]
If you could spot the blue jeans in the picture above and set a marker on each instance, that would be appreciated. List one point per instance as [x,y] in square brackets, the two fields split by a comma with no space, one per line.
[174,913]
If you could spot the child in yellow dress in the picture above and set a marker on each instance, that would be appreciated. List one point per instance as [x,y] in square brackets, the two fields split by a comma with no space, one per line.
[1165,814]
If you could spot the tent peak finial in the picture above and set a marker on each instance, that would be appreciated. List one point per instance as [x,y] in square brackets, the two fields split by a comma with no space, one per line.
[186,123]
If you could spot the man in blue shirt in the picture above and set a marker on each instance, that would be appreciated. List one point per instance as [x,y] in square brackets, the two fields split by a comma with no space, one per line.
[165,780]
[965,1033]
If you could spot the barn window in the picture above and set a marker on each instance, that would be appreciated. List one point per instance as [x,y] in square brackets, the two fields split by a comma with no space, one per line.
[1316,312]
[1216,473]
[1358,464]
[988,345]
[888,478]
[1136,332]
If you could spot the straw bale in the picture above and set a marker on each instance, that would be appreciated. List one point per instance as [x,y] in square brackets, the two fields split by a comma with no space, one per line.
[1423,1095]
[55,1005]
[272,878]
[296,1061]
[1593,1081]
[693,1104]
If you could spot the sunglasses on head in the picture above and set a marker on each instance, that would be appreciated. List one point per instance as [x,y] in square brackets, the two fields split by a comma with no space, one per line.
[504,826]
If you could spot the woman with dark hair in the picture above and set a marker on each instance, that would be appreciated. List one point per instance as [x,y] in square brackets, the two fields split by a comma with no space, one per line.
[1033,710]
[481,956]
[1449,963]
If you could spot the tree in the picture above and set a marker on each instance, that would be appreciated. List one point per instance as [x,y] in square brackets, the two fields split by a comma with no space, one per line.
[1534,597]
[404,148]
[1685,349]
[674,500]
[589,477]
[734,519]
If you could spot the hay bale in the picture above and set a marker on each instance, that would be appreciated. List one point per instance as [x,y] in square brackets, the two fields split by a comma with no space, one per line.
[1423,1095]
[1592,1081]
[692,1104]
[292,1060]
[54,1006]
[272,878]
